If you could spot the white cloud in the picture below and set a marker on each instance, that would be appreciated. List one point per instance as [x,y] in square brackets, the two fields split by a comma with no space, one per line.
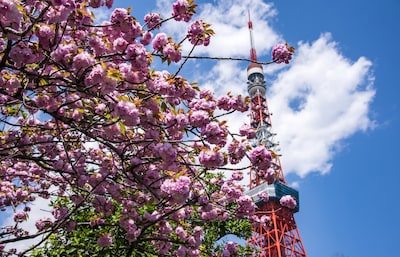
[318,101]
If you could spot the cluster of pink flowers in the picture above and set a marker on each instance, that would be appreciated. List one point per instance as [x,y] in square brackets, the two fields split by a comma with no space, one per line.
[43,223]
[128,112]
[9,13]
[45,35]
[282,53]
[268,175]
[228,102]
[260,157]
[182,11]
[264,220]
[246,206]
[247,131]
[288,201]
[20,216]
[264,196]
[159,41]
[199,118]
[82,61]
[211,159]
[177,189]
[215,133]
[236,152]
[152,20]
[170,50]
[22,53]
[176,122]
[120,17]
[197,33]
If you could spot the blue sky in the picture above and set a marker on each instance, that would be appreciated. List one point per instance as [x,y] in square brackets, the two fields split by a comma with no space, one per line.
[335,107]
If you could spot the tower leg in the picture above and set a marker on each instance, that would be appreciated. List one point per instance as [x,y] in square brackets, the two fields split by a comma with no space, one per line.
[280,237]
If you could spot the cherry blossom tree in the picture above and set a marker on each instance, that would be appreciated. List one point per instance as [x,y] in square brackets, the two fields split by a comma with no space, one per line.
[129,156]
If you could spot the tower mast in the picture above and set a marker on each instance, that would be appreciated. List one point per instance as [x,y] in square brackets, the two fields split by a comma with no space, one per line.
[280,236]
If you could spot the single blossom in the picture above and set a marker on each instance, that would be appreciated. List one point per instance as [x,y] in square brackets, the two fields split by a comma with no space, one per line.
[248,131]
[159,41]
[177,189]
[288,201]
[197,33]
[152,20]
[282,53]
[211,159]
[260,157]
[181,11]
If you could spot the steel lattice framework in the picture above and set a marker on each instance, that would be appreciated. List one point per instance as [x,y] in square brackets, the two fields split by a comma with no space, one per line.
[279,237]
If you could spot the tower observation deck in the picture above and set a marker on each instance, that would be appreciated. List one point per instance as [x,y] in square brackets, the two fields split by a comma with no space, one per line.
[279,236]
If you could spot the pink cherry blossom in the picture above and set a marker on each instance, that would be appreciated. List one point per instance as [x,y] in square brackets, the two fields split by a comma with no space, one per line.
[109,3]
[214,133]
[119,15]
[264,196]
[236,152]
[172,52]
[9,13]
[152,20]
[128,112]
[82,61]
[260,157]
[146,38]
[248,131]
[166,151]
[230,249]
[12,85]
[181,11]
[120,44]
[177,189]
[22,54]
[281,53]
[105,240]
[211,159]
[159,41]
[197,35]
[20,216]
[96,3]
[137,55]
[288,201]
[46,36]
[245,207]
[199,118]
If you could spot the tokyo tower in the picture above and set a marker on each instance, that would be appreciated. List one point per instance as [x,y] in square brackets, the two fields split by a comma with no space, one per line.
[279,235]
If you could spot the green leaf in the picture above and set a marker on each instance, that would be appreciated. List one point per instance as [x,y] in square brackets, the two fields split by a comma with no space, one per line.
[122,127]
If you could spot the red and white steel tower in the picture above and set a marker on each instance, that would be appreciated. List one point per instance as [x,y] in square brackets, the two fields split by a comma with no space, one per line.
[280,236]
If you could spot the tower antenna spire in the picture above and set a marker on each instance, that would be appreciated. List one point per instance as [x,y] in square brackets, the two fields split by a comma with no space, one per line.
[253,54]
